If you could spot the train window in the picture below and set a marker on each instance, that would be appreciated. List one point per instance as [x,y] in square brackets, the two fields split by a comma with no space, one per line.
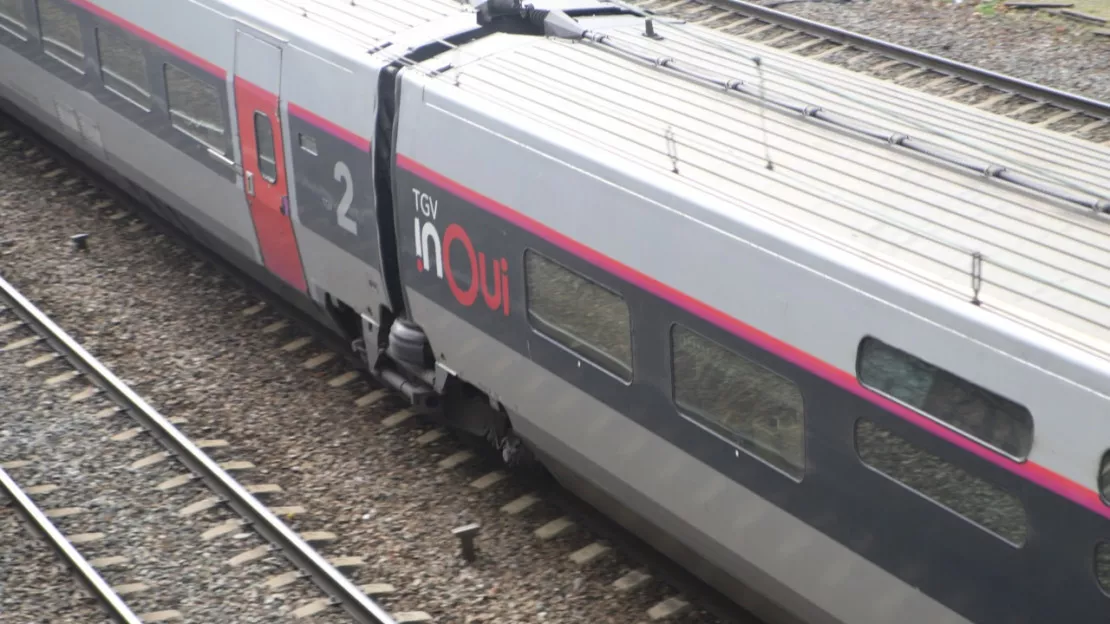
[751,406]
[984,415]
[13,17]
[123,66]
[61,33]
[264,135]
[1102,566]
[579,313]
[195,108]
[944,483]
[308,143]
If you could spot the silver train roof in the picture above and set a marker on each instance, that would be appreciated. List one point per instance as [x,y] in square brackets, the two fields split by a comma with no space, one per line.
[940,192]
[366,22]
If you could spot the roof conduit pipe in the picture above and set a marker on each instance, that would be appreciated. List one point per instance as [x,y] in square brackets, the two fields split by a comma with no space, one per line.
[559,24]
[554,23]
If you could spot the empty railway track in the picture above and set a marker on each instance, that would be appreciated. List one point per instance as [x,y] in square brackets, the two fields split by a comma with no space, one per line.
[1056,110]
[34,345]
[86,573]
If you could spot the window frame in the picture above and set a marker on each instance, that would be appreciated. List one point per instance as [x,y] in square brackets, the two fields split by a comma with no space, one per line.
[258,145]
[589,353]
[139,47]
[1103,587]
[20,30]
[710,424]
[1029,528]
[220,150]
[1022,458]
[48,43]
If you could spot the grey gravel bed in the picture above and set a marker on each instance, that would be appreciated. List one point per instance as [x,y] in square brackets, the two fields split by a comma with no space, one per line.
[173,328]
[1033,47]
[35,586]
[70,447]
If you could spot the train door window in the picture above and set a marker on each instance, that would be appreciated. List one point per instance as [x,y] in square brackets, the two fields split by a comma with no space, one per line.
[264,135]
[1102,566]
[13,18]
[749,405]
[123,66]
[195,108]
[944,483]
[978,412]
[61,33]
[579,314]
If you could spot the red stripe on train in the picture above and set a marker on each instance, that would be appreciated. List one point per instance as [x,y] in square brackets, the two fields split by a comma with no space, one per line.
[330,127]
[1031,471]
[207,66]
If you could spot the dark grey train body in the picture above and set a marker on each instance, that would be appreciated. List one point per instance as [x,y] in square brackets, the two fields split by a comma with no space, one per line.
[773,373]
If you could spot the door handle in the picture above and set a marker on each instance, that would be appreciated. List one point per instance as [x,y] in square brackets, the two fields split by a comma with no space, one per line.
[285,205]
[248,179]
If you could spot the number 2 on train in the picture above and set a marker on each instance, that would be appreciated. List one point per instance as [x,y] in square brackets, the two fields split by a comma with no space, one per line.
[343,174]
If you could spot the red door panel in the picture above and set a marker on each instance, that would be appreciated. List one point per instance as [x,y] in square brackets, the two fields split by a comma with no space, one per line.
[265,182]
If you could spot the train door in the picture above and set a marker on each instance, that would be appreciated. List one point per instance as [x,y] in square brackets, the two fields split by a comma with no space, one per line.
[257,94]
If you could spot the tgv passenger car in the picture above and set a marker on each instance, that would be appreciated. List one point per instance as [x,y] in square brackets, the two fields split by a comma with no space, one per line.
[839,347]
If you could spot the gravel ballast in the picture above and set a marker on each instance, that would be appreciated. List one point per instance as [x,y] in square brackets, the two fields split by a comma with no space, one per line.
[35,586]
[1023,44]
[72,445]
[173,328]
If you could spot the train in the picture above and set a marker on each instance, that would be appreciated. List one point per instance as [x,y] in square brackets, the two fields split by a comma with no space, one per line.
[838,347]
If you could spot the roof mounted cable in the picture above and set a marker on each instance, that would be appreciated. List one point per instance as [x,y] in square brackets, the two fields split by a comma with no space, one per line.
[1088,199]
[559,24]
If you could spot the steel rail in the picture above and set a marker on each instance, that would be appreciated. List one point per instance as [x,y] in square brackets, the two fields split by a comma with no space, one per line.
[1002,82]
[117,608]
[303,557]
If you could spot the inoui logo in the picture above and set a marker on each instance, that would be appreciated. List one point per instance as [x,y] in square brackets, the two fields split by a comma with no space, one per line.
[433,250]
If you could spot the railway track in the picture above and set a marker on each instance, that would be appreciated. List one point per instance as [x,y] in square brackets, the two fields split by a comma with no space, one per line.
[24,331]
[86,573]
[562,527]
[1056,110]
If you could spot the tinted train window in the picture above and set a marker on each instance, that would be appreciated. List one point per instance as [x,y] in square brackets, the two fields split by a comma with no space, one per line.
[195,108]
[1102,566]
[61,33]
[977,411]
[751,406]
[944,483]
[264,134]
[308,143]
[12,14]
[579,313]
[123,66]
